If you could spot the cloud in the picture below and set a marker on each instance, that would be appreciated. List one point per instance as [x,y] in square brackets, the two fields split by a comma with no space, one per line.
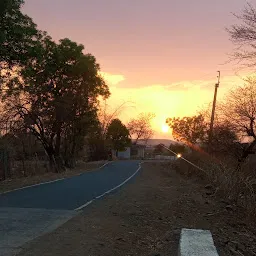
[183,98]
[112,79]
[177,99]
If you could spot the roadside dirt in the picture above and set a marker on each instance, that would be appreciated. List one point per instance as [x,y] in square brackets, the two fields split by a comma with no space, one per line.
[145,218]
[14,183]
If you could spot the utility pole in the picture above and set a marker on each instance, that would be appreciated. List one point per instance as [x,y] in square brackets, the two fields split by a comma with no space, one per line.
[213,108]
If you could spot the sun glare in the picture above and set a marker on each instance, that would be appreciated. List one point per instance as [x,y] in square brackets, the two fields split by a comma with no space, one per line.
[165,128]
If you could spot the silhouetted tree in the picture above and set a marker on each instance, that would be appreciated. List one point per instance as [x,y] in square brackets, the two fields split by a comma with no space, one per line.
[244,36]
[18,35]
[178,148]
[239,113]
[118,135]
[188,129]
[140,127]
[57,96]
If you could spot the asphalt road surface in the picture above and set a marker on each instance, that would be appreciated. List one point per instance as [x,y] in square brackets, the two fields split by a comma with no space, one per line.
[33,211]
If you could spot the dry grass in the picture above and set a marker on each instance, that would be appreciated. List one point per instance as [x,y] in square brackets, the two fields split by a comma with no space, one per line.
[237,187]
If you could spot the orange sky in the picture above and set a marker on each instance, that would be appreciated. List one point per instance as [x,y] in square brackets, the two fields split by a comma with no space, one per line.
[177,99]
[160,55]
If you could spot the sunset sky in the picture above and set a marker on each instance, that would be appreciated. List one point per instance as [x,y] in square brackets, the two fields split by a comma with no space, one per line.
[160,55]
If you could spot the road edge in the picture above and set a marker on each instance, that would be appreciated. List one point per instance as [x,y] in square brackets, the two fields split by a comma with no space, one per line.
[52,181]
[109,191]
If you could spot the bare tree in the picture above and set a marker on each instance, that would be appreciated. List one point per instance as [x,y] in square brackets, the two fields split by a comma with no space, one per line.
[140,127]
[106,115]
[244,36]
[239,112]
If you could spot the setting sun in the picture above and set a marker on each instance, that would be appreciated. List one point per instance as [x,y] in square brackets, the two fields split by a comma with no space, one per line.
[165,128]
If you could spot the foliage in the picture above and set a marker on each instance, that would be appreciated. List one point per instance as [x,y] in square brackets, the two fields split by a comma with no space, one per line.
[224,139]
[158,149]
[106,115]
[18,34]
[140,127]
[97,145]
[52,92]
[118,135]
[188,129]
[178,148]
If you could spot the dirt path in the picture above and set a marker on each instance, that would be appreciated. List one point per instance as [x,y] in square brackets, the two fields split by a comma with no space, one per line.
[145,218]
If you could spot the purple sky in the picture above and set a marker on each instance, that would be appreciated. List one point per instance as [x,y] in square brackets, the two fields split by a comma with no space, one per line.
[148,41]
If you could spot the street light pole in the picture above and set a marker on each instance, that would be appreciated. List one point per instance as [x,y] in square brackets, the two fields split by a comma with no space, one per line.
[213,108]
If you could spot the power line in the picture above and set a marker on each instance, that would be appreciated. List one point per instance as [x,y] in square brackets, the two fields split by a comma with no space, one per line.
[178,155]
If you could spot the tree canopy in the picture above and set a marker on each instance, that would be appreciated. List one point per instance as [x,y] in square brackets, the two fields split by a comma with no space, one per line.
[140,127]
[118,135]
[188,129]
[18,34]
[49,89]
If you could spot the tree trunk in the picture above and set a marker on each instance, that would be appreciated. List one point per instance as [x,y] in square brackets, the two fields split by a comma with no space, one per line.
[246,153]
[73,152]
[23,158]
[58,159]
[52,163]
[54,167]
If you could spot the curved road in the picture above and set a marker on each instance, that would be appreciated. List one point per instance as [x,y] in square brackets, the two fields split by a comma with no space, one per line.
[33,211]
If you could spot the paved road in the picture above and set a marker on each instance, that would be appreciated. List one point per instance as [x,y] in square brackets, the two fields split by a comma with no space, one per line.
[30,212]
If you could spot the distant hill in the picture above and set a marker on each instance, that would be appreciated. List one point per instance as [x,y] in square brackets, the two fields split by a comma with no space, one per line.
[154,142]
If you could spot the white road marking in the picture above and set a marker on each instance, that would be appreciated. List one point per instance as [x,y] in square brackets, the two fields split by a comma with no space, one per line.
[51,181]
[84,205]
[30,186]
[196,242]
[109,191]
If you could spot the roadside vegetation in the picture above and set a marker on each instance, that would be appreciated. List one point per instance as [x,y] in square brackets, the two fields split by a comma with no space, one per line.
[53,111]
[228,160]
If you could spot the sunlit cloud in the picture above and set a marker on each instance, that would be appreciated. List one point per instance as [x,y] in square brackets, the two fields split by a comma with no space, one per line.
[184,100]
[112,79]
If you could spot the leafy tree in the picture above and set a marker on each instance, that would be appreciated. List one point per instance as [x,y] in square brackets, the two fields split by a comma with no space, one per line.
[244,36]
[18,34]
[140,127]
[223,139]
[57,96]
[118,135]
[106,115]
[178,148]
[188,129]
[97,145]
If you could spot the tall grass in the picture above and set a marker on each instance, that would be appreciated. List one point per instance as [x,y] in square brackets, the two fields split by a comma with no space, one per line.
[235,186]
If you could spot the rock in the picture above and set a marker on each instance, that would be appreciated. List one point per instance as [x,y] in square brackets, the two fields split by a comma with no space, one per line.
[208,193]
[155,254]
[224,201]
[120,239]
[229,208]
[160,218]
[208,186]
[206,202]
[226,242]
